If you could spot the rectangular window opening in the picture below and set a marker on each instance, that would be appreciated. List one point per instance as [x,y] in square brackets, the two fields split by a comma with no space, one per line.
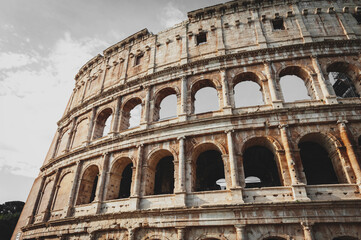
[278,24]
[138,59]
[357,16]
[201,38]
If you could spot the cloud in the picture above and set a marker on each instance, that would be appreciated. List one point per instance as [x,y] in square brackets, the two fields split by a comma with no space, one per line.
[170,15]
[14,60]
[34,91]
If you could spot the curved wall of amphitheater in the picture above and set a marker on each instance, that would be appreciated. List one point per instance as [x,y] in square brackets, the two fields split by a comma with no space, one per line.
[291,169]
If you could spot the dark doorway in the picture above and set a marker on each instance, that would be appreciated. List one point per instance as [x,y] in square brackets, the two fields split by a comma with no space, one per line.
[209,169]
[164,176]
[317,164]
[259,162]
[125,183]
[94,188]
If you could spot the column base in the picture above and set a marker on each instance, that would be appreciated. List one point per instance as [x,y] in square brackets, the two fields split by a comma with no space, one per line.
[277,104]
[180,199]
[227,110]
[331,100]
[299,193]
[237,195]
[134,203]
[182,117]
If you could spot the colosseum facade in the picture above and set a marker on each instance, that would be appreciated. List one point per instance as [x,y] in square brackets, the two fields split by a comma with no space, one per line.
[277,170]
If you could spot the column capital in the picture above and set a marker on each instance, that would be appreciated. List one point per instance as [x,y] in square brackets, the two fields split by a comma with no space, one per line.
[140,145]
[231,130]
[105,154]
[342,122]
[282,126]
[307,225]
[181,137]
[314,56]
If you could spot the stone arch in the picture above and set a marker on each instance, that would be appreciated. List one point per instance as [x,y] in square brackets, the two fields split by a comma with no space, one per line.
[160,173]
[245,77]
[274,236]
[345,238]
[120,178]
[208,165]
[160,95]
[63,190]
[129,105]
[45,196]
[88,185]
[200,84]
[102,118]
[346,78]
[80,132]
[328,147]
[152,236]
[211,236]
[303,73]
[261,157]
[63,142]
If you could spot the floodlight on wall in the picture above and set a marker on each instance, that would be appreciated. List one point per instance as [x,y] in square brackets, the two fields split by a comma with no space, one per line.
[252,179]
[222,183]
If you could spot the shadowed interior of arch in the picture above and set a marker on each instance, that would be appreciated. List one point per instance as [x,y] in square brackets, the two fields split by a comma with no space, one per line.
[317,164]
[209,169]
[259,162]
[345,238]
[247,93]
[164,176]
[88,185]
[125,183]
[342,76]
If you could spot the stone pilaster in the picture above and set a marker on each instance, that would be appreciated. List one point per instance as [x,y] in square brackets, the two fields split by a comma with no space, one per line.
[116,115]
[241,232]
[276,101]
[183,104]
[346,139]
[91,125]
[134,198]
[227,108]
[73,192]
[145,115]
[307,231]
[181,233]
[102,180]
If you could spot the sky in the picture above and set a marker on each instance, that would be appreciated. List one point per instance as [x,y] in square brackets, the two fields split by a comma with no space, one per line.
[43,43]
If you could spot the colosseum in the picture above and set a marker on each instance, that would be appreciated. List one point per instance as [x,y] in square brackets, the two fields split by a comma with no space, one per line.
[262,164]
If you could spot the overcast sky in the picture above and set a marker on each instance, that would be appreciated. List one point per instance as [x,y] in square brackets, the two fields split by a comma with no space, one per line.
[43,43]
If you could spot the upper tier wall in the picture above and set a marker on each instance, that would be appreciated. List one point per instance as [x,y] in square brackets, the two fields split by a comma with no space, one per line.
[233,27]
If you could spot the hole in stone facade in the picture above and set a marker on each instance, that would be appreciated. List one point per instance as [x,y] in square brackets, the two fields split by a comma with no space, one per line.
[125,183]
[201,38]
[357,16]
[278,24]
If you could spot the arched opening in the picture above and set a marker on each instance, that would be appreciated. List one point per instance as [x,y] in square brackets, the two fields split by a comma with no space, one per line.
[204,97]
[131,114]
[316,162]
[45,196]
[342,76]
[63,192]
[209,169]
[247,91]
[164,176]
[81,133]
[88,185]
[165,105]
[345,238]
[102,124]
[159,176]
[274,238]
[120,180]
[260,167]
[296,84]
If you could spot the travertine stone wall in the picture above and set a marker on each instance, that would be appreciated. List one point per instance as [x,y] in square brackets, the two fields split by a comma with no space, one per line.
[76,193]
